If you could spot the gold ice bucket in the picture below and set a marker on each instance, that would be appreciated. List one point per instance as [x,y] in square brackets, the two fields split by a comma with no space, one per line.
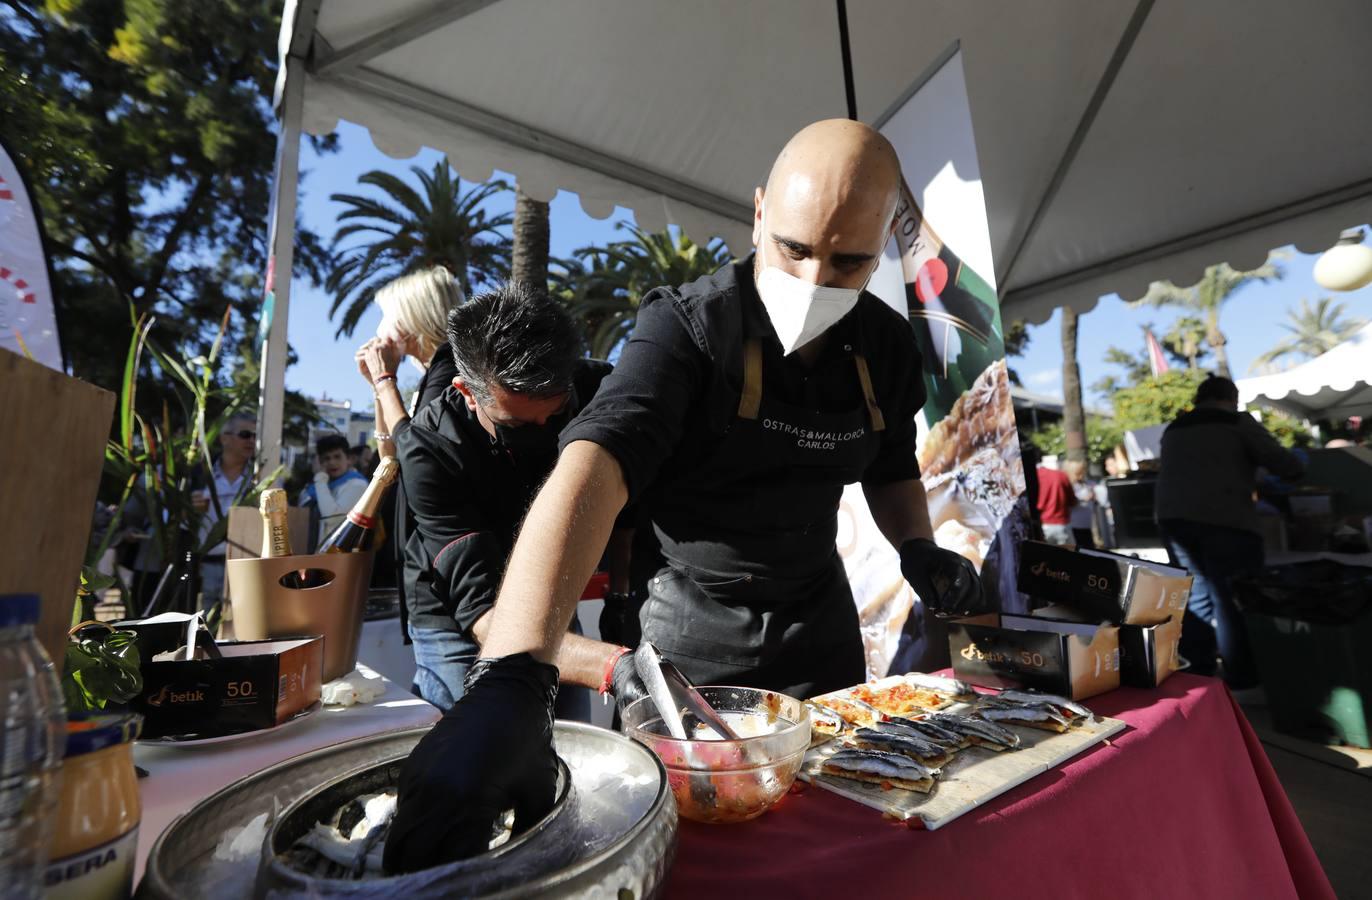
[264,608]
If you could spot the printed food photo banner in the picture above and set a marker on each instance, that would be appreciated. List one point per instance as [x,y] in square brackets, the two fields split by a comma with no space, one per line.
[938,270]
[27,323]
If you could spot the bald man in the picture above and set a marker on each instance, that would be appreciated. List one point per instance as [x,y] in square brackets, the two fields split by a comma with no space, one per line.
[740,407]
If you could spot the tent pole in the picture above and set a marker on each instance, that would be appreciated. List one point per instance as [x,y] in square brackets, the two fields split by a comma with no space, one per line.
[272,327]
[848,88]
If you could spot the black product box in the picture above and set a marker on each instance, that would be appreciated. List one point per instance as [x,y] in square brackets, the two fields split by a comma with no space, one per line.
[1072,659]
[251,686]
[1103,586]
[1148,653]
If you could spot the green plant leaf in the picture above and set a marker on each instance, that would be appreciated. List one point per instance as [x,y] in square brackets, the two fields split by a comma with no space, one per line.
[102,667]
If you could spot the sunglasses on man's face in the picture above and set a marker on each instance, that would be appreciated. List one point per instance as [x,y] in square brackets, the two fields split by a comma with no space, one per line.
[245,434]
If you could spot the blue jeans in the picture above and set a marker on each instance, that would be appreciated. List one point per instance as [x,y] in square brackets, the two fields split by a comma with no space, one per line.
[442,657]
[1214,623]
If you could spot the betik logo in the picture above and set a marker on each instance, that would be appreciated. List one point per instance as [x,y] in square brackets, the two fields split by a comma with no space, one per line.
[1043,570]
[167,695]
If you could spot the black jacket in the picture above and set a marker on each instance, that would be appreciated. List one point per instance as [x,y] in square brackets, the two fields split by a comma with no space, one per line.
[466,496]
[439,375]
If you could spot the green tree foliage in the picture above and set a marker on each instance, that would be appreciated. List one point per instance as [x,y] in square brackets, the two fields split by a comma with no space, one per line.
[146,127]
[1184,341]
[1016,342]
[1102,436]
[1206,297]
[405,230]
[1288,430]
[1136,369]
[1155,401]
[602,286]
[1311,331]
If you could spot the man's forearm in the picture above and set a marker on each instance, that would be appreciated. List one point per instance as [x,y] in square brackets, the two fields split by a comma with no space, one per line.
[901,510]
[579,660]
[558,547]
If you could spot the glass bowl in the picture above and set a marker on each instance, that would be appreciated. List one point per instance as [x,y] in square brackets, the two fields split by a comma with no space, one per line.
[718,781]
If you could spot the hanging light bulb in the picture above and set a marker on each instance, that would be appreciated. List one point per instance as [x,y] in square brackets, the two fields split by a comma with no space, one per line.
[1347,265]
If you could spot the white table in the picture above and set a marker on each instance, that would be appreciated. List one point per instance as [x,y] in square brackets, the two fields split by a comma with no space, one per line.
[180,778]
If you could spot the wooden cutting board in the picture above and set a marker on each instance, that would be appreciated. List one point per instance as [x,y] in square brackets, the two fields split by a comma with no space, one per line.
[974,776]
[54,429]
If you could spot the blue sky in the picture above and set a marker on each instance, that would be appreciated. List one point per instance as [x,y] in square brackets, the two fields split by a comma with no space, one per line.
[1251,320]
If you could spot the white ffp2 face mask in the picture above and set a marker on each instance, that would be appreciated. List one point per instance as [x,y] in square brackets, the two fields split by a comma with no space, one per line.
[800,311]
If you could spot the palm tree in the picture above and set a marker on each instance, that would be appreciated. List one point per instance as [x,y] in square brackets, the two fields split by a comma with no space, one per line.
[409,230]
[1205,297]
[529,259]
[1186,339]
[602,286]
[1073,409]
[1314,330]
[584,285]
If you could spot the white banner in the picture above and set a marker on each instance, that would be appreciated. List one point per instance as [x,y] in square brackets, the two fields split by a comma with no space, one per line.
[938,270]
[27,323]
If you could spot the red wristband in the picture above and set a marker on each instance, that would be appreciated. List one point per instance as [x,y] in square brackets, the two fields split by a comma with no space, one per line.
[606,680]
[384,376]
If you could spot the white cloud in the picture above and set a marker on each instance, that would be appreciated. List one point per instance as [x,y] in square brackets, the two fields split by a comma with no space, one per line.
[1043,379]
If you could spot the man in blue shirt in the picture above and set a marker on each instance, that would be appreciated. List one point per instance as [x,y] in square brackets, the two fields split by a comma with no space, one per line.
[337,485]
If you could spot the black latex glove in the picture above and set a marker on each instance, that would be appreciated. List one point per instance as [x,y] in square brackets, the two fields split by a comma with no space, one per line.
[947,582]
[491,752]
[625,683]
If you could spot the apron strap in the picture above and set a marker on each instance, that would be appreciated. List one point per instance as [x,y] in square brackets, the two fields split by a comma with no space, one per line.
[750,401]
[868,395]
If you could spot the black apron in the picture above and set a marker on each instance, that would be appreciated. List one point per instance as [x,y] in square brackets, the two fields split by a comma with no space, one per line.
[754,592]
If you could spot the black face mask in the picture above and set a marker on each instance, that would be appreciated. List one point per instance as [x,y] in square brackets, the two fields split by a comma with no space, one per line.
[531,441]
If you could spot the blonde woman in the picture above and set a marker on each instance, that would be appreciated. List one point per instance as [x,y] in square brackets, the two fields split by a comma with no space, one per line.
[414,323]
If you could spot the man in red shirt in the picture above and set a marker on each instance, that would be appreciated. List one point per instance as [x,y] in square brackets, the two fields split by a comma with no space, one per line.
[1056,500]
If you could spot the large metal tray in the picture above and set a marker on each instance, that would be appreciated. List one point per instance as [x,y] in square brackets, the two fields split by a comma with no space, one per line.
[622,827]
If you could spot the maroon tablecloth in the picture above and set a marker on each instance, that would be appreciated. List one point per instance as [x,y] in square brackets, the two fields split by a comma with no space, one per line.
[1183,803]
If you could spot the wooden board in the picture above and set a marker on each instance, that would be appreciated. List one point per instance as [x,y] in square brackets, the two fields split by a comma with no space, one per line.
[53,430]
[974,776]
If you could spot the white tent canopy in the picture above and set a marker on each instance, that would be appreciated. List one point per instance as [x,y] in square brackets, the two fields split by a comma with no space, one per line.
[1334,385]
[1120,141]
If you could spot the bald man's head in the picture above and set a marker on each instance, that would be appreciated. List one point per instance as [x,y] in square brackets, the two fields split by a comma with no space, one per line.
[830,203]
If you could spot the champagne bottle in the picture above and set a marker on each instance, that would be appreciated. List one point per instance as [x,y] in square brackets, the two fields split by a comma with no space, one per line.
[354,535]
[276,534]
[276,537]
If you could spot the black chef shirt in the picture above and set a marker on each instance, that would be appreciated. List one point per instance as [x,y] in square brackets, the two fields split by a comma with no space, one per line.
[675,387]
[467,496]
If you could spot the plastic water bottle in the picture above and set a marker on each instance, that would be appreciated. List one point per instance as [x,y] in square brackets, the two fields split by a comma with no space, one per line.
[32,741]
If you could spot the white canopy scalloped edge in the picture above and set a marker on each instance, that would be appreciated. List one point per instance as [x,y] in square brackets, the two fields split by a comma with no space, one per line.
[477,156]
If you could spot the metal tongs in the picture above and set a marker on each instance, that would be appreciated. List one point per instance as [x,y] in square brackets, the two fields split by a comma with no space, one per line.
[675,696]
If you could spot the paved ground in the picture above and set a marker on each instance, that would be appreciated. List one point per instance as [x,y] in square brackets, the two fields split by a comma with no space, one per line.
[1331,790]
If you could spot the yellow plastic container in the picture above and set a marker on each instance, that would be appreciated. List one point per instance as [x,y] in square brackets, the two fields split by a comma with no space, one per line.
[95,837]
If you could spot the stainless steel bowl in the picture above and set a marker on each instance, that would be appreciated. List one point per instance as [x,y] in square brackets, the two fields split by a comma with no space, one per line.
[614,833]
[719,781]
